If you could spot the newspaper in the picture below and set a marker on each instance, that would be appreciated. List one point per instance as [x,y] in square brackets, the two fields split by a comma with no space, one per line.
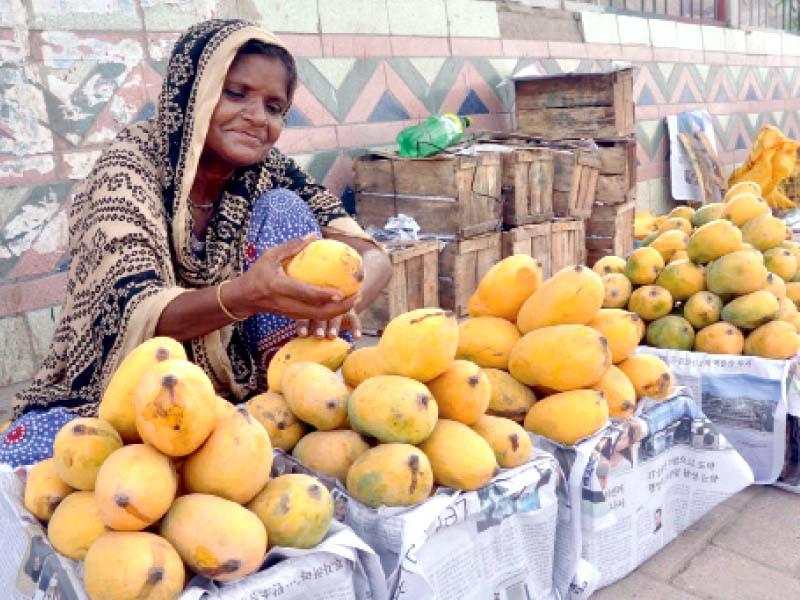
[790,475]
[497,542]
[744,396]
[684,181]
[634,487]
[341,567]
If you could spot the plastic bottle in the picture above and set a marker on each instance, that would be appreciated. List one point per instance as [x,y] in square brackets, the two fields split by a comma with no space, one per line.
[433,135]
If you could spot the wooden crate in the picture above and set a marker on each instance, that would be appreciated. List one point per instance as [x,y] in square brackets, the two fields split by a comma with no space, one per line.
[610,231]
[533,240]
[414,283]
[617,170]
[576,105]
[568,244]
[455,195]
[575,173]
[527,185]
[462,263]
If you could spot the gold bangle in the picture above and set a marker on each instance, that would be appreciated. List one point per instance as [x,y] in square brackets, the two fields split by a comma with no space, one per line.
[222,307]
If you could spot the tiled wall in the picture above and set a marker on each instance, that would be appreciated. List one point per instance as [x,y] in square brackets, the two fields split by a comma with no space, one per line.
[74,72]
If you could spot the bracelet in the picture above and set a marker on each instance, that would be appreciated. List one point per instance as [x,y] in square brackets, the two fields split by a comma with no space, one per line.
[222,307]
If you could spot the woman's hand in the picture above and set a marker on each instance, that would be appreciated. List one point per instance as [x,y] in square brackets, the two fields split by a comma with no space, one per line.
[330,328]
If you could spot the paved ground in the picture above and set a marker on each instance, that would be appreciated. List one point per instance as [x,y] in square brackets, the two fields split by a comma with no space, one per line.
[748,548]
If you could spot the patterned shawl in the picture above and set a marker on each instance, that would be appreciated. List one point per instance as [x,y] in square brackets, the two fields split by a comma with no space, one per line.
[130,233]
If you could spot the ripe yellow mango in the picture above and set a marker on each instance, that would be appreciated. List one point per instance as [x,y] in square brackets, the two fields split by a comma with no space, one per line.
[618,393]
[781,262]
[510,398]
[707,213]
[487,341]
[75,525]
[330,452]
[569,416]
[751,310]
[776,286]
[505,287]
[360,364]
[44,489]
[328,263]
[328,352]
[608,265]
[743,207]
[644,265]
[719,338]
[764,232]
[682,278]
[315,395]
[510,443]
[649,375]
[462,392]
[273,412]
[672,332]
[738,273]
[650,302]
[712,240]
[670,242]
[618,290]
[460,458]
[391,475]
[80,448]
[621,329]
[685,212]
[702,309]
[675,223]
[777,340]
[742,187]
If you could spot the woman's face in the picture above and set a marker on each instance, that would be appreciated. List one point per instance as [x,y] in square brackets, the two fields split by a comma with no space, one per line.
[248,118]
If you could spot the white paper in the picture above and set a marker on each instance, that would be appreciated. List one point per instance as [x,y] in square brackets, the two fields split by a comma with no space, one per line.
[682,175]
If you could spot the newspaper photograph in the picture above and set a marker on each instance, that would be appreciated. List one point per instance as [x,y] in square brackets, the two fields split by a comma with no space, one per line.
[744,396]
[496,542]
[635,486]
[789,478]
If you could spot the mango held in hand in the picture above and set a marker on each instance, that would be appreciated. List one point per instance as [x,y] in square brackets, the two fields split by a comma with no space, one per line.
[216,538]
[118,406]
[175,407]
[420,344]
[132,566]
[393,409]
[80,448]
[296,510]
[315,395]
[135,487]
[649,375]
[462,392]
[618,392]
[329,353]
[390,475]
[330,452]
[511,445]
[487,341]
[234,462]
[505,287]
[573,295]
[561,357]
[460,458]
[44,489]
[75,525]
[510,398]
[328,263]
[569,416]
[272,411]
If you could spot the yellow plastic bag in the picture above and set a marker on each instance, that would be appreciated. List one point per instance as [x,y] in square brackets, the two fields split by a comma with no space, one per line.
[772,159]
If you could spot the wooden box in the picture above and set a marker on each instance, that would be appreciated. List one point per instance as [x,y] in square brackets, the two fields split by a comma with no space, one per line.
[533,240]
[576,105]
[462,264]
[414,283]
[575,175]
[617,170]
[610,231]
[527,185]
[448,194]
[567,245]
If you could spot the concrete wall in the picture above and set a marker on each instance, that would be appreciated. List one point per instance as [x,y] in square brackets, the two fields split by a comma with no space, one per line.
[74,72]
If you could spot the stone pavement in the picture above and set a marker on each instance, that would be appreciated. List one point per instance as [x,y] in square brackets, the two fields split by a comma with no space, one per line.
[748,548]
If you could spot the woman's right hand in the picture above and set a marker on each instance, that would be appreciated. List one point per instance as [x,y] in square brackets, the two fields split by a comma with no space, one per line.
[266,288]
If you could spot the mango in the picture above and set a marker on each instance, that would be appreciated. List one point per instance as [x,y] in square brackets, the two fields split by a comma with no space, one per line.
[328,263]
[608,265]
[391,475]
[777,340]
[744,207]
[420,344]
[393,409]
[712,240]
[234,462]
[315,395]
[702,309]
[487,341]
[132,566]
[644,266]
[621,330]
[707,213]
[569,416]
[223,408]
[685,212]
[510,398]
[793,292]
[618,290]
[670,242]
[793,319]
[764,232]
[216,538]
[135,487]
[505,286]
[273,412]
[742,187]
[675,224]
[175,407]
[330,452]
[118,406]
[360,364]
[460,458]
[678,255]
[672,332]
[462,392]
[719,338]
[296,510]
[75,525]
[776,286]
[510,443]
[785,305]
[562,357]
[739,272]
[328,352]
[681,279]
[44,489]
[751,310]
[781,262]
[618,393]
[793,247]
[649,375]
[649,239]
[650,302]
[573,295]
[80,448]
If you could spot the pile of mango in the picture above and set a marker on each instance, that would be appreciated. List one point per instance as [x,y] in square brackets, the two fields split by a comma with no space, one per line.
[723,279]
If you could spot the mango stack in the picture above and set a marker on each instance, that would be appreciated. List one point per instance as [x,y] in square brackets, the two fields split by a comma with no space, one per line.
[723,279]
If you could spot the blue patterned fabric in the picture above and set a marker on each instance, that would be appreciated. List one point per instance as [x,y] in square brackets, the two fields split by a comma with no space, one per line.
[30,438]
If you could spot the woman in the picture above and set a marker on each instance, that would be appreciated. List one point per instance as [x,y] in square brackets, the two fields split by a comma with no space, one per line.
[180,230]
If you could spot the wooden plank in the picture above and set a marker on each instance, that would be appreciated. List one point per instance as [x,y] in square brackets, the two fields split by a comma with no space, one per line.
[612,189]
[568,245]
[560,123]
[613,158]
[430,269]
[461,264]
[584,90]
